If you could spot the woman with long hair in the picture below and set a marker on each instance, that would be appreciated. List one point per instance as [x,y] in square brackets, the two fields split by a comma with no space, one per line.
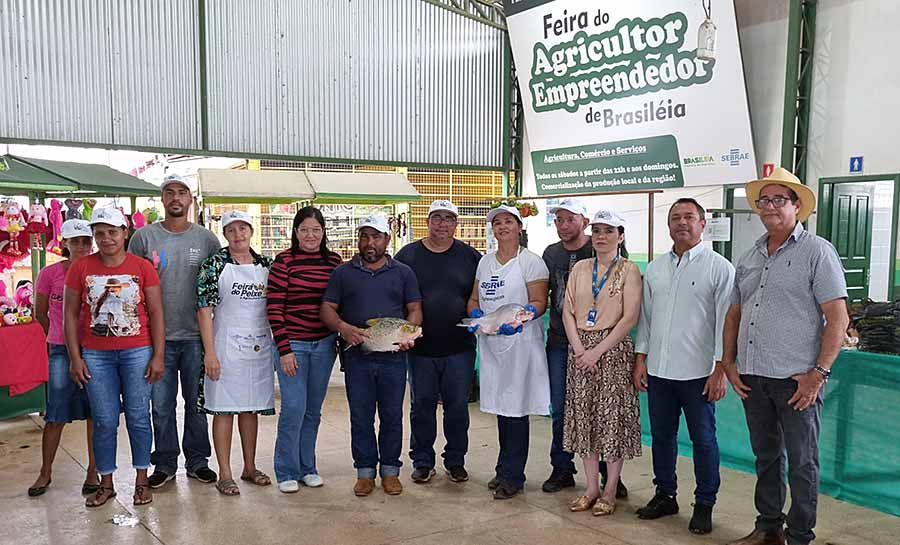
[118,353]
[238,352]
[602,413]
[65,400]
[297,282]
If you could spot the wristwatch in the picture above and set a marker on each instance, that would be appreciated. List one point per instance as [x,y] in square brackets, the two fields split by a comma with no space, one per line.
[823,371]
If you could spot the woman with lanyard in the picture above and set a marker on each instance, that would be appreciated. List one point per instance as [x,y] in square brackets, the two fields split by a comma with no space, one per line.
[239,353]
[602,415]
[513,364]
[65,400]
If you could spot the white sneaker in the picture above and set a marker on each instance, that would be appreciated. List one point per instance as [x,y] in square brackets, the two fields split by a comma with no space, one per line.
[288,487]
[312,480]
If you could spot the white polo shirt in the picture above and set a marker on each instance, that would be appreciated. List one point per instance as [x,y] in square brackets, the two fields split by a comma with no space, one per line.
[683,313]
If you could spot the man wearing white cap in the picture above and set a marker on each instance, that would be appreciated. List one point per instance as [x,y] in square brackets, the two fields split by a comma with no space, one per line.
[442,364]
[783,331]
[574,245]
[177,247]
[373,285]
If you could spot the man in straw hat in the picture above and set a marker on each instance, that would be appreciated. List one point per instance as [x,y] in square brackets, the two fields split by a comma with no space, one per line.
[785,325]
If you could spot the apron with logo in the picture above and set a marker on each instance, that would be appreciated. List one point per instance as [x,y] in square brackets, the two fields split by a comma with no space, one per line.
[512,368]
[244,344]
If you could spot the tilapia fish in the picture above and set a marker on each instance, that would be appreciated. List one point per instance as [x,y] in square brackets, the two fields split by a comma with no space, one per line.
[512,314]
[386,334]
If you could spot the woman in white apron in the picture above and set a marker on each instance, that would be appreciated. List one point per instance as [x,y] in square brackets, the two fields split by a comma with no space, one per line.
[513,365]
[239,353]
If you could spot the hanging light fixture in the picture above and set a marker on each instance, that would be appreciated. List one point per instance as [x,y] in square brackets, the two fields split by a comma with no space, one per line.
[706,37]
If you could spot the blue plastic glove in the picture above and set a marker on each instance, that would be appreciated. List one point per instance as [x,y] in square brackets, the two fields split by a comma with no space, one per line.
[476,313]
[532,309]
[506,329]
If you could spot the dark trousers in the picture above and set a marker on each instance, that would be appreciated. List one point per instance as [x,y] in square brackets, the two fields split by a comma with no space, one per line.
[514,435]
[776,428]
[557,362]
[376,381]
[667,399]
[448,378]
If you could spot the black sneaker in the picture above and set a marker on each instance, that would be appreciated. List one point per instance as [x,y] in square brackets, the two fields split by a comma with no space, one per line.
[423,474]
[558,480]
[458,474]
[701,521]
[494,483]
[506,491]
[204,475]
[621,489]
[159,478]
[660,506]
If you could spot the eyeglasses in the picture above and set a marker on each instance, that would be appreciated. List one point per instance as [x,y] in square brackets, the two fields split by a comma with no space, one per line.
[438,219]
[310,231]
[777,202]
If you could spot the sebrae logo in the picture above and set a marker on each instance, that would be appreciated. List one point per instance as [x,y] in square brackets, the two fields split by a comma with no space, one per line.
[735,157]
[698,161]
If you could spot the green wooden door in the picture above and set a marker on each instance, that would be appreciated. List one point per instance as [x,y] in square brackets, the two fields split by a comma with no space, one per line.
[851,233]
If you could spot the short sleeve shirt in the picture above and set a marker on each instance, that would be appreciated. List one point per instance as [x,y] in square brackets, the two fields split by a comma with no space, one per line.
[50,282]
[780,297]
[362,294]
[115,300]
[210,271]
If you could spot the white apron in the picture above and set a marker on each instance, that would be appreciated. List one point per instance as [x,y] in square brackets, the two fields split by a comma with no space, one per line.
[512,369]
[244,343]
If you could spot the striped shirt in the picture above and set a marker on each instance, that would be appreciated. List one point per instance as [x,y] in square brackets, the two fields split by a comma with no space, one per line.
[780,297]
[297,282]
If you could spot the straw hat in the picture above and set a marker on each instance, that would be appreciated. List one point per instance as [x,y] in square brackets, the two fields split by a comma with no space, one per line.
[783,177]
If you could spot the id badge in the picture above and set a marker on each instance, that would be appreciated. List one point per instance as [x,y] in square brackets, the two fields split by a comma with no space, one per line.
[591,318]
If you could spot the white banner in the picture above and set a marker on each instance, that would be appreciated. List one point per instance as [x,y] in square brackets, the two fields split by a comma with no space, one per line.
[616,99]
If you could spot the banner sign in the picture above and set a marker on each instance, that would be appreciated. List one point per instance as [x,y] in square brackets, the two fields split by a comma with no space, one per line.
[616,99]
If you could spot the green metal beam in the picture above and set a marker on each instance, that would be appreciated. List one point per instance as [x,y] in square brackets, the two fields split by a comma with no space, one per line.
[483,11]
[798,86]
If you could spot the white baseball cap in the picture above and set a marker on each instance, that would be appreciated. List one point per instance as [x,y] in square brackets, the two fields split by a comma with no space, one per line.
[236,215]
[174,179]
[503,208]
[75,229]
[608,217]
[109,216]
[572,205]
[377,222]
[443,204]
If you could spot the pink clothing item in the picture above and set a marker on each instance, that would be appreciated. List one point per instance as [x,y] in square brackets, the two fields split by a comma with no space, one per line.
[50,282]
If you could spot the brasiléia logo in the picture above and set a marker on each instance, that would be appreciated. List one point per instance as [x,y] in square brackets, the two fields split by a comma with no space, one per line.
[698,160]
[248,290]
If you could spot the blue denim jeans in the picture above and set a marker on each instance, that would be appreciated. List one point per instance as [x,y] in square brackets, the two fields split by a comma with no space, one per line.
[667,399]
[302,396]
[375,381]
[65,400]
[117,379]
[514,435]
[447,377]
[557,362]
[184,358]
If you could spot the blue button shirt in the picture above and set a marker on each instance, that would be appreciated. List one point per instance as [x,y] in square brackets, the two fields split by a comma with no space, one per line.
[362,294]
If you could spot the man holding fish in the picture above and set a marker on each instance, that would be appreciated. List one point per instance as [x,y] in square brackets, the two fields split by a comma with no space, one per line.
[374,290]
[442,364]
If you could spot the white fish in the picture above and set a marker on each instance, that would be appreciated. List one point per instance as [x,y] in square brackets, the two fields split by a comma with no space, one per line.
[512,314]
[386,334]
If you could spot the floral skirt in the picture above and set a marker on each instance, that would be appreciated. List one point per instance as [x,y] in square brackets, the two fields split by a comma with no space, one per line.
[603,412]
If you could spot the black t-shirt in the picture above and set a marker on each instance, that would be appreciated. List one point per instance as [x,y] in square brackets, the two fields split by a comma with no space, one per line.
[560,262]
[446,281]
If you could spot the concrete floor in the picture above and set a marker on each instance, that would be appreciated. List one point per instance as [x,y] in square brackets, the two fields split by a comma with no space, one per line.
[441,512]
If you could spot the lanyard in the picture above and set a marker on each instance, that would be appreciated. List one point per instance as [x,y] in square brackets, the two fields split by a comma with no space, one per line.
[598,288]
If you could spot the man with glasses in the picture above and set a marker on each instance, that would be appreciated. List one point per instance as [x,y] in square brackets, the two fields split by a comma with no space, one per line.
[783,331]
[442,363]
[571,219]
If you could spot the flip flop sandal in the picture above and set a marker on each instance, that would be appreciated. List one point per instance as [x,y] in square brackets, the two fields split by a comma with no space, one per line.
[139,490]
[228,487]
[106,492]
[36,491]
[603,508]
[89,488]
[258,478]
